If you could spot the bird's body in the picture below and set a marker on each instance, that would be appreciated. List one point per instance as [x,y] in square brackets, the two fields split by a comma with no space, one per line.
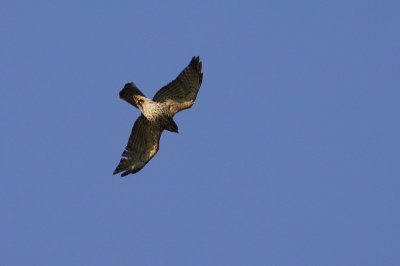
[150,109]
[157,115]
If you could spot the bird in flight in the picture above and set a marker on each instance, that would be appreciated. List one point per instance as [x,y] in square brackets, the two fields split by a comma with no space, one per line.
[156,115]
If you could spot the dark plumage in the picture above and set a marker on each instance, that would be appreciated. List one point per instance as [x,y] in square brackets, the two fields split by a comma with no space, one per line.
[157,115]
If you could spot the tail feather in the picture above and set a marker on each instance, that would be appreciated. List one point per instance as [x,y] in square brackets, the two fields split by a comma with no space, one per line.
[128,91]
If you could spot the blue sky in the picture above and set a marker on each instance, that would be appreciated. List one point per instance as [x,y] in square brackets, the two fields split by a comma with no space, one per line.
[290,155]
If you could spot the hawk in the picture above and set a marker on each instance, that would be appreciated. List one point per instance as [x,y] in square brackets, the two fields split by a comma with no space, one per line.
[156,115]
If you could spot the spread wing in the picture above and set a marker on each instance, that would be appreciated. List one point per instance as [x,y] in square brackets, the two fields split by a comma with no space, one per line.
[181,93]
[142,146]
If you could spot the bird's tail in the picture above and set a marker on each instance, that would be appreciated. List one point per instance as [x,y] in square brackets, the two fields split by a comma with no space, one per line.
[128,91]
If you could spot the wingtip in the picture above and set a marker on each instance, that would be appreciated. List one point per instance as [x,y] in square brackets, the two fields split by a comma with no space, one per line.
[116,171]
[125,170]
[195,60]
[124,173]
[198,65]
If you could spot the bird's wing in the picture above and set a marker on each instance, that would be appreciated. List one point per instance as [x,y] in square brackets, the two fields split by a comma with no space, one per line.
[181,93]
[142,146]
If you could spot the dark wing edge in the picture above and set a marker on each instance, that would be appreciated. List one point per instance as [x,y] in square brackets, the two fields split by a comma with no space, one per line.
[128,91]
[142,145]
[181,93]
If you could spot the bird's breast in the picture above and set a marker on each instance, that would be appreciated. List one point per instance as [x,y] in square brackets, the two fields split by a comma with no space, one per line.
[153,111]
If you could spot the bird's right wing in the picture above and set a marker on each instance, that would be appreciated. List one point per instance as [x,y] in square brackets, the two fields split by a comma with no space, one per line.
[181,93]
[142,146]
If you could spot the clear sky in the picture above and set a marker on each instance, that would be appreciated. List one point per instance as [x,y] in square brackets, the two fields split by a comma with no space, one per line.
[290,155]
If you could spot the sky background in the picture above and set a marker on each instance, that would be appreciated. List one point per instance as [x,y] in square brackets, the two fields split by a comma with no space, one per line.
[290,155]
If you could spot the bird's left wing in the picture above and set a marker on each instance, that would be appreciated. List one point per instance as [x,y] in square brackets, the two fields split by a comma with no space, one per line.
[181,93]
[142,146]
